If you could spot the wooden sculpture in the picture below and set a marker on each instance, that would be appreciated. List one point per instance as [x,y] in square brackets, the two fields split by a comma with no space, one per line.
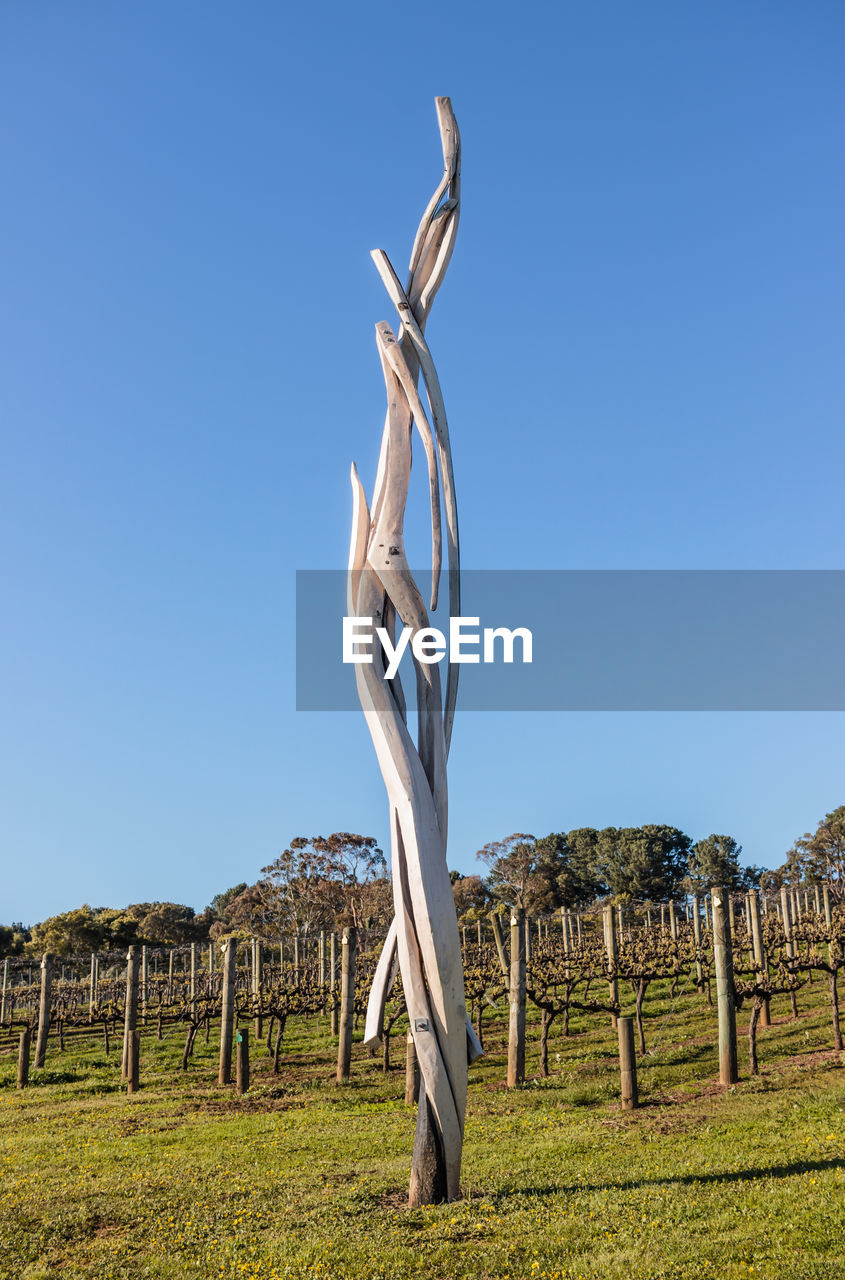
[424,933]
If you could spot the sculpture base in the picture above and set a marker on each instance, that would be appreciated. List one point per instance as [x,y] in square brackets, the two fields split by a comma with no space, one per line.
[428,1167]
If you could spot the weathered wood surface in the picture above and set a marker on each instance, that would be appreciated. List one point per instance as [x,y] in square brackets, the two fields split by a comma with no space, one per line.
[133,1061]
[609,921]
[758,950]
[517,993]
[627,1064]
[242,1061]
[23,1058]
[227,1012]
[381,586]
[349,947]
[130,1013]
[726,1008]
[44,1009]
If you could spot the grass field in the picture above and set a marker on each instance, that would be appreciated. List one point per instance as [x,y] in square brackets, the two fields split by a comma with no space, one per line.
[302,1178]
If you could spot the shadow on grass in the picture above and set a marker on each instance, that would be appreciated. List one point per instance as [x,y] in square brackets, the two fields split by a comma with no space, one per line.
[682,1180]
[673,1054]
[45,1076]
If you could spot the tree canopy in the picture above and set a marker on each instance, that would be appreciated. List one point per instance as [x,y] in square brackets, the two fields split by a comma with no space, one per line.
[325,881]
[320,881]
[819,856]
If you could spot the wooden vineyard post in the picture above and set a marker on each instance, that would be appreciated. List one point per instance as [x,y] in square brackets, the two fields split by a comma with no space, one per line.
[23,1058]
[760,957]
[627,1064]
[242,1061]
[227,1014]
[323,972]
[673,923]
[130,1014]
[723,964]
[831,959]
[133,1065]
[145,974]
[611,956]
[257,985]
[193,987]
[786,910]
[211,967]
[5,989]
[527,939]
[745,916]
[696,935]
[333,980]
[516,1022]
[347,996]
[500,942]
[44,1009]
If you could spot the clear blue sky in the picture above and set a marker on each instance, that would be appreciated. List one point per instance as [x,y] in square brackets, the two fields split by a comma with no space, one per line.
[639,339]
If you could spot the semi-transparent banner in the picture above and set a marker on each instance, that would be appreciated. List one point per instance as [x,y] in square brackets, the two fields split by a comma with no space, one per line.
[591,640]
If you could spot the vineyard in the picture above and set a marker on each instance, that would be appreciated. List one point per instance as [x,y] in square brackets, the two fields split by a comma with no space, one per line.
[607,1031]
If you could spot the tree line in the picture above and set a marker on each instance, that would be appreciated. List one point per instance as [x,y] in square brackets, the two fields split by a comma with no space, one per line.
[322,882]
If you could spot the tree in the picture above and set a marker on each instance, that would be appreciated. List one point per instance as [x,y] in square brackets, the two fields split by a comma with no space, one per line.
[374,903]
[13,939]
[569,861]
[820,856]
[319,881]
[546,883]
[220,902]
[751,877]
[119,929]
[512,862]
[646,863]
[471,897]
[166,924]
[771,881]
[81,929]
[715,861]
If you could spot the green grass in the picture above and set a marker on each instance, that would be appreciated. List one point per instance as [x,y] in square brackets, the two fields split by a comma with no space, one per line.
[301,1178]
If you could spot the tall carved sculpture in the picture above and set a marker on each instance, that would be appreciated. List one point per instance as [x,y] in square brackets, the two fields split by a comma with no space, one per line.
[424,934]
